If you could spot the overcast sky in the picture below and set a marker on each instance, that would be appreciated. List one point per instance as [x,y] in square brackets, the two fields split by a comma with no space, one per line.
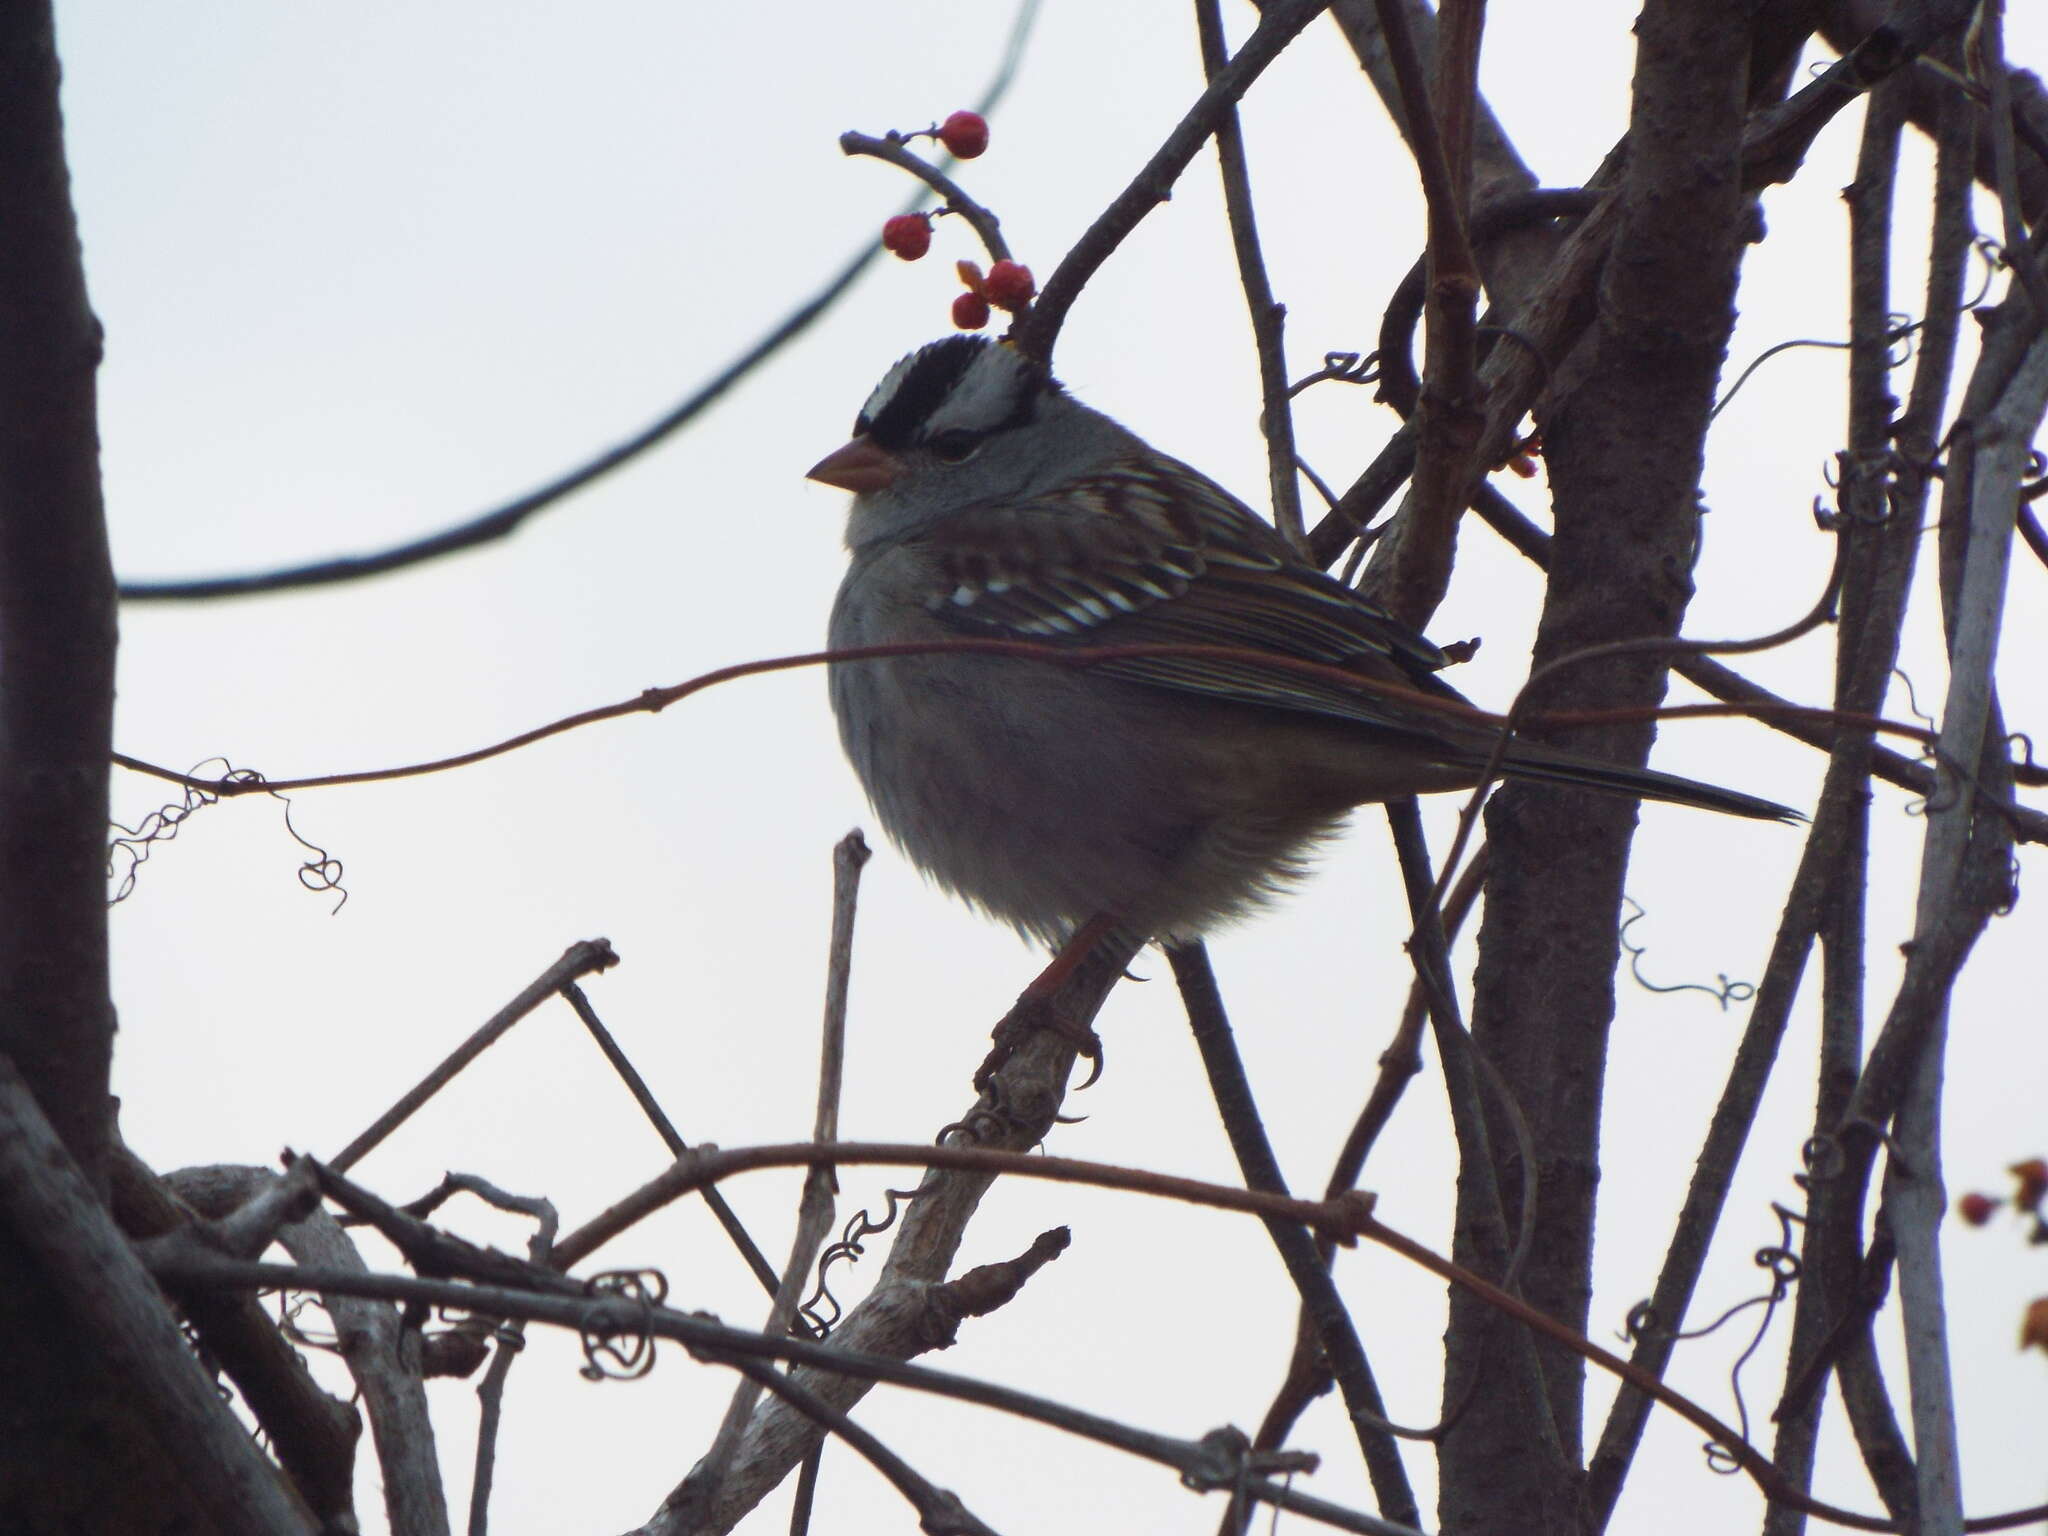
[366,270]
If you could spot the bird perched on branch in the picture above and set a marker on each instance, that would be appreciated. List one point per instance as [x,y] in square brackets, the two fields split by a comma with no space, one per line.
[1158,794]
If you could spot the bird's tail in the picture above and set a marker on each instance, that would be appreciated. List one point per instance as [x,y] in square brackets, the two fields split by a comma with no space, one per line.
[1551,765]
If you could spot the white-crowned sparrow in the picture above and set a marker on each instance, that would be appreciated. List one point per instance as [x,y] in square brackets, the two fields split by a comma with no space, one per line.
[1166,793]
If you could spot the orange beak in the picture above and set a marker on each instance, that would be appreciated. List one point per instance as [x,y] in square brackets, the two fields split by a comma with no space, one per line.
[858,466]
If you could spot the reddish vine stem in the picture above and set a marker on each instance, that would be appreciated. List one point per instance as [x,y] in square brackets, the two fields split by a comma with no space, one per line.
[654,700]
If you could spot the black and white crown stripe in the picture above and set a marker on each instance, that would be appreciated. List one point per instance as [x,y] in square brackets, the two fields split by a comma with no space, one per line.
[961,383]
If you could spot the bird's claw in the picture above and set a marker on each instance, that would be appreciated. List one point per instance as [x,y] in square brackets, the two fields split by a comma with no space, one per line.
[1031,1014]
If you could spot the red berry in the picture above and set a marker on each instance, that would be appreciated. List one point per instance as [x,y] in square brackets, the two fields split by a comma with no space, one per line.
[1976,1209]
[964,134]
[970,311]
[909,235]
[1009,285]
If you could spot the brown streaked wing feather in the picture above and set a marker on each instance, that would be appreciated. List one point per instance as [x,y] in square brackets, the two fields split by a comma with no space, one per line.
[1149,550]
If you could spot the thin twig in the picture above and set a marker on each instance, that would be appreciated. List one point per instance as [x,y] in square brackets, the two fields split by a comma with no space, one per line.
[1820,613]
[1553,319]
[1279,24]
[890,149]
[1232,1092]
[1400,385]
[509,1339]
[2034,534]
[1769,1481]
[583,958]
[1268,315]
[939,1510]
[2019,250]
[615,1317]
[609,1316]
[1732,688]
[700,1489]
[727,1217]
[1308,1370]
[895,1318]
[1481,1200]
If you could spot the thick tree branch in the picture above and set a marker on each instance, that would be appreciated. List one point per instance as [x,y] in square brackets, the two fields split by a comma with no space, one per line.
[56,620]
[313,1435]
[1625,449]
[56,1221]
[381,1352]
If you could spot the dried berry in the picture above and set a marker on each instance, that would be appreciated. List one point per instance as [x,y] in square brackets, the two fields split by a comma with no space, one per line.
[1009,285]
[970,276]
[970,311]
[965,134]
[1976,1209]
[2033,1183]
[2034,1324]
[908,235]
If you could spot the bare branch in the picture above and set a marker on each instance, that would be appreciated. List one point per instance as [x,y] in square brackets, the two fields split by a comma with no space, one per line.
[312,1434]
[1308,1371]
[381,1353]
[578,960]
[2020,251]
[1206,1463]
[1768,1479]
[1279,24]
[939,1510]
[1305,1267]
[700,1490]
[56,621]
[749,1250]
[54,1218]
[1269,316]
[1962,868]
[890,150]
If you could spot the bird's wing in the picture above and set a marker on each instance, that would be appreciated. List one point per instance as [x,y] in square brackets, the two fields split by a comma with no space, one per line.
[1151,551]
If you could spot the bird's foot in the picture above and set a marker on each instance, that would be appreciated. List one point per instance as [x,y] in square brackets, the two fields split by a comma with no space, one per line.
[1036,1012]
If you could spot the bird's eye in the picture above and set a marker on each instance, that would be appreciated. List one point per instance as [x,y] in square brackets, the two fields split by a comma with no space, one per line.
[956,446]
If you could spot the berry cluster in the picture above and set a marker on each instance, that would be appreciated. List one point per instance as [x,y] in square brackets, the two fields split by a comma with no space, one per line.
[2030,1192]
[1008,285]
[2030,1181]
